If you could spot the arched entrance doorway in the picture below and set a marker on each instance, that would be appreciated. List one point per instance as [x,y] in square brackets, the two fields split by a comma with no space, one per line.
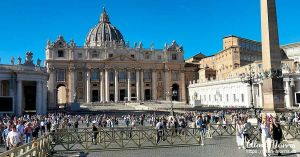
[175,92]
[61,95]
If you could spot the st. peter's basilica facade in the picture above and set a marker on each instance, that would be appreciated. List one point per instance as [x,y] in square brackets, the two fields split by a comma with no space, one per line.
[107,69]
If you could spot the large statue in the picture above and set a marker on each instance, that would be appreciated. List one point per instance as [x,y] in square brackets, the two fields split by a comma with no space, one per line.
[12,61]
[38,62]
[19,60]
[28,60]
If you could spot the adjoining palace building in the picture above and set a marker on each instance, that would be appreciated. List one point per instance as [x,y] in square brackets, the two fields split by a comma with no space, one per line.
[107,69]
[223,76]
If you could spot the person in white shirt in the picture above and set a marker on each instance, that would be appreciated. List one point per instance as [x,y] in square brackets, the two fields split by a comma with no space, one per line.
[159,128]
[13,138]
[265,137]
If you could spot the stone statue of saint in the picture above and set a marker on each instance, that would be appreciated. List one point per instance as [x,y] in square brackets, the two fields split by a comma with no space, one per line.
[12,61]
[19,60]
[38,62]
[140,45]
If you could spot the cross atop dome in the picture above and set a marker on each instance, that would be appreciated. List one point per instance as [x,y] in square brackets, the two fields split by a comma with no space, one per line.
[104,17]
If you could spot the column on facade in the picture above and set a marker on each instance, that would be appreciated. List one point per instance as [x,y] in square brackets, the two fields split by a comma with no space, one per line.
[182,86]
[154,85]
[167,81]
[142,86]
[1,88]
[39,97]
[249,95]
[19,106]
[116,86]
[88,86]
[261,98]
[129,85]
[102,89]
[72,88]
[288,94]
[44,99]
[106,86]
[52,88]
[137,73]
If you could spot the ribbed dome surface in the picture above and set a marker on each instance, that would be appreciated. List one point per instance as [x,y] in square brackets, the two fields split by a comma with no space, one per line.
[103,32]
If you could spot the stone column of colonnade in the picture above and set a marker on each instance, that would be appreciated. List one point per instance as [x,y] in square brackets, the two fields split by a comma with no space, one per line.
[288,94]
[19,106]
[129,85]
[154,85]
[182,86]
[137,73]
[102,89]
[88,86]
[142,86]
[106,86]
[52,88]
[116,86]
[44,98]
[39,97]
[0,87]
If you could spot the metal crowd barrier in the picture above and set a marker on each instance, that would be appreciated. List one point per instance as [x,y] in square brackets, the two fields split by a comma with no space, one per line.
[37,148]
[124,138]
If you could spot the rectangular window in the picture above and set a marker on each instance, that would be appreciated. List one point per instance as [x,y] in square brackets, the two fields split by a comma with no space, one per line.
[174,57]
[234,98]
[110,55]
[147,56]
[159,57]
[79,76]
[175,76]
[242,97]
[227,97]
[132,56]
[111,76]
[95,75]
[95,55]
[60,53]
[147,76]
[122,76]
[79,55]
[61,75]
[132,76]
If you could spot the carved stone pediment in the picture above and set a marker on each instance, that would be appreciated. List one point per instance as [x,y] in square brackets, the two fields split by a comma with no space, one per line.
[121,58]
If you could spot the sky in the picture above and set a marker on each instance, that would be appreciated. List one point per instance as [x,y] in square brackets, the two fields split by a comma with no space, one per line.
[197,25]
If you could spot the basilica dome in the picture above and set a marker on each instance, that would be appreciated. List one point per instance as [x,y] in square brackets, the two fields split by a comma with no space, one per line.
[103,33]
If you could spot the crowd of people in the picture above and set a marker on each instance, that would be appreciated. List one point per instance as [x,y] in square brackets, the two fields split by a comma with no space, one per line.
[15,131]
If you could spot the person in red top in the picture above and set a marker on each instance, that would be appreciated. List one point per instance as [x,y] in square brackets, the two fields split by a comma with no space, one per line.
[28,133]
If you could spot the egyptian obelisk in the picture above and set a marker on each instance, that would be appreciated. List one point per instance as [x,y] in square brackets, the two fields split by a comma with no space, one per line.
[273,93]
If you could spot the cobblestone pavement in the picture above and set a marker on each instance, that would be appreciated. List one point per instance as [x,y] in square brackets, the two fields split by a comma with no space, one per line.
[216,147]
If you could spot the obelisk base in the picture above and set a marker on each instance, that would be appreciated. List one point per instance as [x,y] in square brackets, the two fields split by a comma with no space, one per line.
[273,95]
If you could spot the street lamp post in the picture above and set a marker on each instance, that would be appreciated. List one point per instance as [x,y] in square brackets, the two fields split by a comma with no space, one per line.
[250,79]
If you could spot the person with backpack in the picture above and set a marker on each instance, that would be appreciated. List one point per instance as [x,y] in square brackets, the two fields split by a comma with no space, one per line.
[95,133]
[277,135]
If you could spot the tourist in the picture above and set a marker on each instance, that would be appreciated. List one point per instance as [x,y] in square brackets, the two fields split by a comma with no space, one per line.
[4,135]
[28,132]
[239,135]
[159,129]
[265,137]
[277,135]
[247,132]
[13,138]
[95,133]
